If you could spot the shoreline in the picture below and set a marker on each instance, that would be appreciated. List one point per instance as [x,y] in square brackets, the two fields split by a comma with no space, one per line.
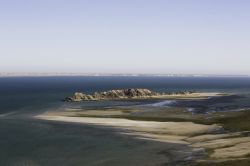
[181,130]
[174,135]
[209,141]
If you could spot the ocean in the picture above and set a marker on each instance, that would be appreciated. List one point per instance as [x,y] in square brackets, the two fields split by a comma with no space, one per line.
[25,141]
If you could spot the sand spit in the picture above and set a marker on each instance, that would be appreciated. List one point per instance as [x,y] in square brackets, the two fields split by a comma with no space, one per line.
[222,146]
[167,128]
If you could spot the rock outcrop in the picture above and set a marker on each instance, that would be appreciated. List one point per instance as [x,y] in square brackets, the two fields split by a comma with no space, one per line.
[133,93]
[113,94]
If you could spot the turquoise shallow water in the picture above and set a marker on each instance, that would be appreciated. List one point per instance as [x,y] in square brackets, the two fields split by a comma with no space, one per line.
[28,142]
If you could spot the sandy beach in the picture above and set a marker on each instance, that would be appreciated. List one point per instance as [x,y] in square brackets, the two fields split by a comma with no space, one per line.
[207,140]
[177,131]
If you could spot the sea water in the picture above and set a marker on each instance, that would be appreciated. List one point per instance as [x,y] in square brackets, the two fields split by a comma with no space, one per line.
[25,141]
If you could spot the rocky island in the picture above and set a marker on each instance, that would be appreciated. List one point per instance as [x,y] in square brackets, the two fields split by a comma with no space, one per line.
[133,93]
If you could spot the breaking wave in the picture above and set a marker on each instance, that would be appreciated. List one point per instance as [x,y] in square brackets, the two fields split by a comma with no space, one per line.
[163,103]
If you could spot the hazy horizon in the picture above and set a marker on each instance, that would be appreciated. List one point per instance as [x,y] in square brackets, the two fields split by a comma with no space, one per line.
[131,37]
[13,74]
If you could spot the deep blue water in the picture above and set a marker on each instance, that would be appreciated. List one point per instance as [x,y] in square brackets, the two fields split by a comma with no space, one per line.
[19,92]
[28,142]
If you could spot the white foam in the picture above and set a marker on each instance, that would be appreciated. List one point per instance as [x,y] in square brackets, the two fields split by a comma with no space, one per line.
[163,103]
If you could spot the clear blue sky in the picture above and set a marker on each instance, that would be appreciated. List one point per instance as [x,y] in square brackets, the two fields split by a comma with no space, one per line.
[125,36]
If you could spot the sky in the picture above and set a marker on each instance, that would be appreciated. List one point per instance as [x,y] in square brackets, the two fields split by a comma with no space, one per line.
[125,36]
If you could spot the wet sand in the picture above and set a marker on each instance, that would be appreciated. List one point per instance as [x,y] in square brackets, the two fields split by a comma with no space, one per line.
[208,141]
[177,130]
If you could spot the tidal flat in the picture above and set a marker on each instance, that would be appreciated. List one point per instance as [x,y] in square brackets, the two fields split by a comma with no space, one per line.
[25,140]
[215,138]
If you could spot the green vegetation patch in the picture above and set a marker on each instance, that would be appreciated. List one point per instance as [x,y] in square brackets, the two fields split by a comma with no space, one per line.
[244,162]
[234,121]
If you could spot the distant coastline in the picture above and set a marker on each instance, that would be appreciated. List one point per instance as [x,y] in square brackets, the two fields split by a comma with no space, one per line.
[52,74]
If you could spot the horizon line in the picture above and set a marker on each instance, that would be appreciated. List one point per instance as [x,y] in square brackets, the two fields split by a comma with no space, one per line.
[41,74]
